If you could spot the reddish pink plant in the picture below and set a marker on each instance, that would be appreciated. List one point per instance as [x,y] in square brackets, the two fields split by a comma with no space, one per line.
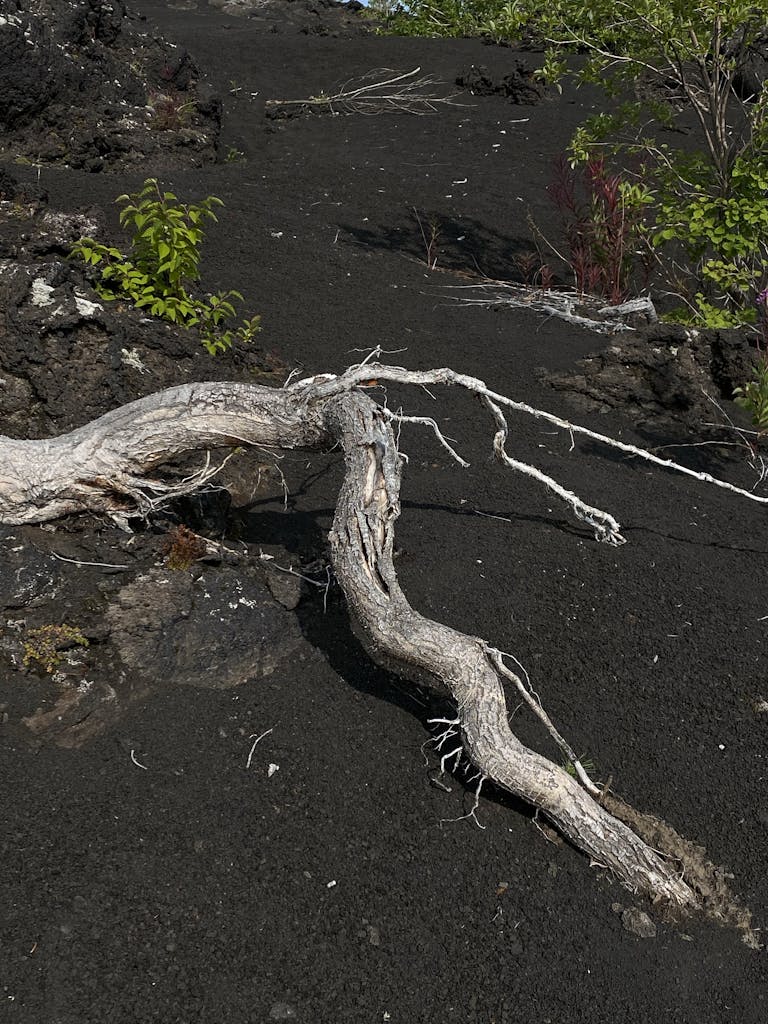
[597,226]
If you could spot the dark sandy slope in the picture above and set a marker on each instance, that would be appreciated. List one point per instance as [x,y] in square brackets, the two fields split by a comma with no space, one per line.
[335,890]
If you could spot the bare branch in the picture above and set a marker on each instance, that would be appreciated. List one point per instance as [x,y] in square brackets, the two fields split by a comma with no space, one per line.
[427,421]
[103,466]
[377,92]
[473,384]
[605,526]
[553,303]
[533,702]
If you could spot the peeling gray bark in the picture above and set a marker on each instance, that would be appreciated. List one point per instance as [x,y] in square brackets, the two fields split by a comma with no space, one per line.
[362,541]
[103,467]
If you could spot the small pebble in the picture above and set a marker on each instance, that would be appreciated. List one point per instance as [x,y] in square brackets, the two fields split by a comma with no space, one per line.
[283,1011]
[638,922]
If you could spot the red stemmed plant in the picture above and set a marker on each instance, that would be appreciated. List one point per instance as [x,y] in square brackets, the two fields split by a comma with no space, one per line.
[600,230]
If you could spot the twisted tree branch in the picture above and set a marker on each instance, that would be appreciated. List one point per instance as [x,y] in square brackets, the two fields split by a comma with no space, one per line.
[103,467]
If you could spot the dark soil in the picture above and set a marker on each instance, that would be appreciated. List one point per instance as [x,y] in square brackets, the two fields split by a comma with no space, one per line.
[85,85]
[156,864]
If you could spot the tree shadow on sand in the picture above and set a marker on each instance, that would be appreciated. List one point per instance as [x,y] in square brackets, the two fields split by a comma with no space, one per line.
[325,621]
[460,245]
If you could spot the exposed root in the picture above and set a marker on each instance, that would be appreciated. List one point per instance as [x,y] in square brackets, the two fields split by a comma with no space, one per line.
[105,464]
[464,664]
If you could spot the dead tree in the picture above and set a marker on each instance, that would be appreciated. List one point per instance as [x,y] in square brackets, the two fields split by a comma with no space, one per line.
[104,467]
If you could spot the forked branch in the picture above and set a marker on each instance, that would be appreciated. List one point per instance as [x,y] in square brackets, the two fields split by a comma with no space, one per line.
[103,467]
[378,92]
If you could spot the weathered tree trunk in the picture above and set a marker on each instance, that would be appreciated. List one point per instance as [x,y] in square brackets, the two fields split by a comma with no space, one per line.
[102,467]
[362,542]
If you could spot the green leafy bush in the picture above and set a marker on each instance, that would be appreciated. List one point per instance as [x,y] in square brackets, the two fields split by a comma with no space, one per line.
[753,397]
[705,214]
[447,18]
[163,262]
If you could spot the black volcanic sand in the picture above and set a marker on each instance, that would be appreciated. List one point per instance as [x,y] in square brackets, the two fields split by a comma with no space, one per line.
[150,874]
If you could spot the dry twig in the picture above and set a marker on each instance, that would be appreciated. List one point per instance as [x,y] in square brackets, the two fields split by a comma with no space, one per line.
[377,92]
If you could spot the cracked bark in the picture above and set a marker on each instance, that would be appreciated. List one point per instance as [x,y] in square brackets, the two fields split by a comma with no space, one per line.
[104,466]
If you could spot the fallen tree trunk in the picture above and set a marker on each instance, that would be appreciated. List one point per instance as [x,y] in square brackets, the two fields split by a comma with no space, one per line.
[362,542]
[103,467]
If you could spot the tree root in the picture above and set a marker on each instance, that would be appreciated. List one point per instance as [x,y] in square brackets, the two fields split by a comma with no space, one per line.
[103,467]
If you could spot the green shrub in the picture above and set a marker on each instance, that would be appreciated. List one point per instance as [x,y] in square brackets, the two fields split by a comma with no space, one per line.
[448,18]
[163,262]
[753,397]
[705,214]
[724,236]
